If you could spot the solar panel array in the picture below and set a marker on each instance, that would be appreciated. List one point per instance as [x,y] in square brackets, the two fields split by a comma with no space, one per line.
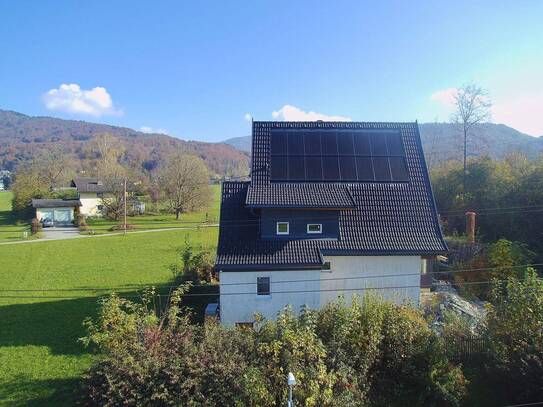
[338,155]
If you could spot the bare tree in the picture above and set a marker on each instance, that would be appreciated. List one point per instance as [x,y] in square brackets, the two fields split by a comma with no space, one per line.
[184,183]
[108,150]
[54,167]
[472,108]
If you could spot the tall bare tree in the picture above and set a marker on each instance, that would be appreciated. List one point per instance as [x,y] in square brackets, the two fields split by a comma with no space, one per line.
[54,167]
[184,182]
[472,107]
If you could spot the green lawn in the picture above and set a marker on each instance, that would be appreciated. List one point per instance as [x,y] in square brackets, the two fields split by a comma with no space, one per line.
[10,230]
[163,220]
[41,361]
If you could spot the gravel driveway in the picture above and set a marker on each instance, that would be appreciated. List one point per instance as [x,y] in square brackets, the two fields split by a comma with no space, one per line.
[60,232]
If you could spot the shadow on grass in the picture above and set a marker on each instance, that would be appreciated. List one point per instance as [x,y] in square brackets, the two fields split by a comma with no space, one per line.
[58,325]
[23,391]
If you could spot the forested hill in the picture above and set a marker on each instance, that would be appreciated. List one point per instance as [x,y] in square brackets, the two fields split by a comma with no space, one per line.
[443,141]
[23,136]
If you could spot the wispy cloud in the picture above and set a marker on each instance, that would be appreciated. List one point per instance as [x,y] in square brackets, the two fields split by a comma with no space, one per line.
[147,129]
[295,114]
[445,96]
[248,117]
[71,98]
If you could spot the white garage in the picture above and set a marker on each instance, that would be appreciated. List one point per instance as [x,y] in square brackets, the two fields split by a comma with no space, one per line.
[60,211]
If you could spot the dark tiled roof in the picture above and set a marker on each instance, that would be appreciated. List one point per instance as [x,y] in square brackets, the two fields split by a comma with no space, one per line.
[388,218]
[55,203]
[88,184]
[300,195]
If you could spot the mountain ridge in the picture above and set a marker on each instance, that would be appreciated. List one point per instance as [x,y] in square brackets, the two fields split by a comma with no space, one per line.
[23,136]
[443,142]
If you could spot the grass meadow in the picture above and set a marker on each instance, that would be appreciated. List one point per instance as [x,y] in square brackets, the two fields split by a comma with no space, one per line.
[47,288]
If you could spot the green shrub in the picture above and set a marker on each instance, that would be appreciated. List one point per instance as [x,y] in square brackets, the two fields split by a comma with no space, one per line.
[35,226]
[515,333]
[367,353]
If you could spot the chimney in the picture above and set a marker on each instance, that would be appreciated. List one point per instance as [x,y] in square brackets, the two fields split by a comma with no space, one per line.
[470,226]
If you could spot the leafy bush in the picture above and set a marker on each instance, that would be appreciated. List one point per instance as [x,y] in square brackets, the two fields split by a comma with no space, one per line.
[366,353]
[515,333]
[35,226]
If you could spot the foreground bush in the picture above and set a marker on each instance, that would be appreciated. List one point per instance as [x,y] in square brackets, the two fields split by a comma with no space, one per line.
[368,353]
[515,333]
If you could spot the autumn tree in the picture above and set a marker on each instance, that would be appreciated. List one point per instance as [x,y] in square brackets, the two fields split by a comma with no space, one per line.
[54,167]
[107,151]
[184,183]
[472,107]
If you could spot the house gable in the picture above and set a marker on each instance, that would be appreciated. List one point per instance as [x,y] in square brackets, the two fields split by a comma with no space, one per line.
[388,214]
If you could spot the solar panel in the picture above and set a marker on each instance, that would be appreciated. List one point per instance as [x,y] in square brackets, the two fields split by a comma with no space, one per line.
[313,168]
[345,143]
[347,168]
[279,168]
[296,168]
[398,168]
[329,142]
[349,155]
[330,168]
[381,168]
[312,142]
[295,143]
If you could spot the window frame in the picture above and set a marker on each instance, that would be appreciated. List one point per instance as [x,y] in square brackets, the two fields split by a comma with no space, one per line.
[268,294]
[319,232]
[277,232]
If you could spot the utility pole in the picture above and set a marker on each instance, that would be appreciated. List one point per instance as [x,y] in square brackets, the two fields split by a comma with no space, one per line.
[124,201]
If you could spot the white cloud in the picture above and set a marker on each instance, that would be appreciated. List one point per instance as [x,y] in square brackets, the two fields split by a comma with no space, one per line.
[248,117]
[147,129]
[445,96]
[295,114]
[71,98]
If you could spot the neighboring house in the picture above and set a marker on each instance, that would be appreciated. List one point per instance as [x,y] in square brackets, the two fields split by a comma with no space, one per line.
[2,187]
[331,209]
[60,211]
[91,191]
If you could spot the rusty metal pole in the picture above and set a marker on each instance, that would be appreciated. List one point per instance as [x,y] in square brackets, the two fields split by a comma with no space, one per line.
[470,226]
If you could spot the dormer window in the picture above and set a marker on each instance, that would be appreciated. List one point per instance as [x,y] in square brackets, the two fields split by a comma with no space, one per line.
[314,228]
[282,228]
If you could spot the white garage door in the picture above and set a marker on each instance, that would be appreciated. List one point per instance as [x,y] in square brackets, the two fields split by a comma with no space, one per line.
[63,216]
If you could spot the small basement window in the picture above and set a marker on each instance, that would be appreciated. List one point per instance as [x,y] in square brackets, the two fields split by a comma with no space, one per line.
[313,228]
[262,286]
[282,228]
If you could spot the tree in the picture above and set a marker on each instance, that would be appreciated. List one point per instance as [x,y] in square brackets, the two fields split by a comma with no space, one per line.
[53,167]
[472,107]
[184,182]
[28,184]
[107,151]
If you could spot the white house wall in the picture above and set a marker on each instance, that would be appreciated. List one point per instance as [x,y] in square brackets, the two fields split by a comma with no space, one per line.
[89,204]
[378,272]
[239,301]
[315,288]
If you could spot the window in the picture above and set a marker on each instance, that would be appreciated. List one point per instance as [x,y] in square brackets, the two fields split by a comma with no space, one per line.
[100,207]
[262,286]
[326,267]
[282,228]
[314,228]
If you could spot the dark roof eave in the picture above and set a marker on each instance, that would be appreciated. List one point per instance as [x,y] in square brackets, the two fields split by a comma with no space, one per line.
[267,267]
[278,206]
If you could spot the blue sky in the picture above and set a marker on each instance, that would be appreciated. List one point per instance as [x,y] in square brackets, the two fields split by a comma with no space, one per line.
[198,70]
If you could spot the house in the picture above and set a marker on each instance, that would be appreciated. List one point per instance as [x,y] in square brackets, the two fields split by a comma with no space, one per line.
[60,211]
[331,209]
[91,191]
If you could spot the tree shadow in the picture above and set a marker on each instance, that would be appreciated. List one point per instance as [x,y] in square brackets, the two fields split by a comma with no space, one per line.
[24,391]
